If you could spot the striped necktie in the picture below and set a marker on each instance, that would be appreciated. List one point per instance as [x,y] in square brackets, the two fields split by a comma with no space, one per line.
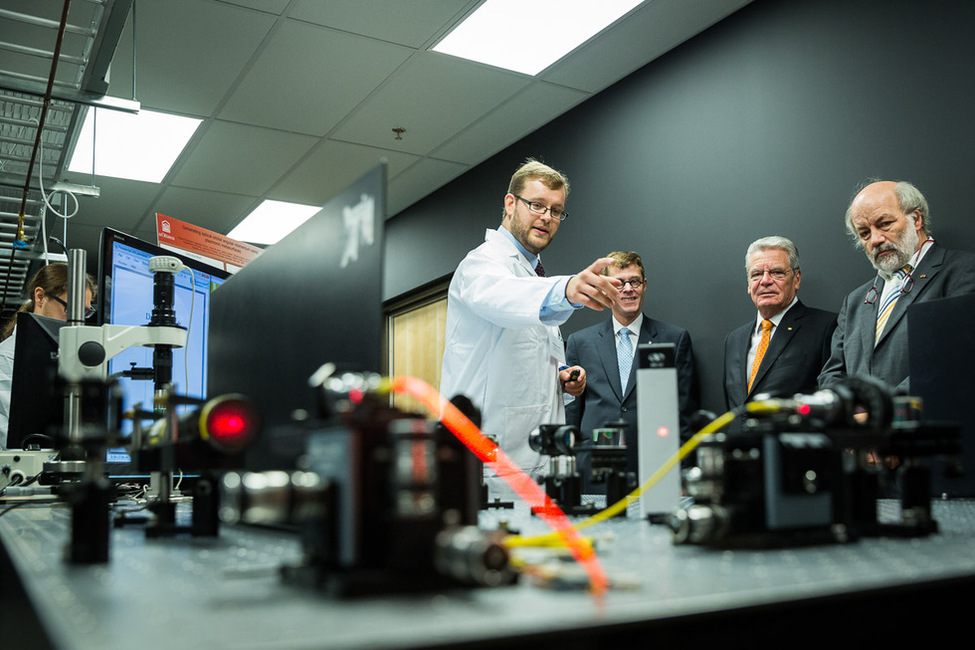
[887,306]
[624,356]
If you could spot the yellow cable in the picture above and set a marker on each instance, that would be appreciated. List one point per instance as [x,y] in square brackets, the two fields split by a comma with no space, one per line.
[767,406]
[556,539]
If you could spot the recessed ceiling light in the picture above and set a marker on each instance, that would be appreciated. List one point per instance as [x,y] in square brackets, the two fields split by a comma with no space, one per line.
[271,221]
[141,146]
[528,36]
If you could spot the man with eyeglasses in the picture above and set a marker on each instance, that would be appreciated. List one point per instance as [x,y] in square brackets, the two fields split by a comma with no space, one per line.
[890,221]
[610,394]
[782,350]
[503,349]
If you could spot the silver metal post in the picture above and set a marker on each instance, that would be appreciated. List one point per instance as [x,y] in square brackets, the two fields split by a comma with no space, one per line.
[76,286]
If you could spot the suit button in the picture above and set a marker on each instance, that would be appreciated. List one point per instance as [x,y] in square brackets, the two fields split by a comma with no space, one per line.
[622,409]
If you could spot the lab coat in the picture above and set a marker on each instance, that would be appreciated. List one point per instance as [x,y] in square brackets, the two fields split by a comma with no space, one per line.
[498,352]
[7,348]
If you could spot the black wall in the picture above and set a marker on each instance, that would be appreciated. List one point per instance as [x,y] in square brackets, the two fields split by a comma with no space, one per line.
[763,124]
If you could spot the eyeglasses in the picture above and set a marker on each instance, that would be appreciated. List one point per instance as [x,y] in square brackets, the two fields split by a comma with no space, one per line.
[89,311]
[873,294]
[541,208]
[636,283]
[777,274]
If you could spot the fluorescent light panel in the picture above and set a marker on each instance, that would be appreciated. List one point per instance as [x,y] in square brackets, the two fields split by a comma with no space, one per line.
[528,36]
[141,146]
[271,221]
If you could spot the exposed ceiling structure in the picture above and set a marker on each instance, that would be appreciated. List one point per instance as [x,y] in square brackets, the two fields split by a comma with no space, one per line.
[298,98]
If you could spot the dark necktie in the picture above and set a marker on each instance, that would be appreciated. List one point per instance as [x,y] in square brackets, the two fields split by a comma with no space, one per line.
[539,269]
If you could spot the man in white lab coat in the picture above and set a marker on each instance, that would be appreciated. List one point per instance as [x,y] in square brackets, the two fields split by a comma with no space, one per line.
[503,348]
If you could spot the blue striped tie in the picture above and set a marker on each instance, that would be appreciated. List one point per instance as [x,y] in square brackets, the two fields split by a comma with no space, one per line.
[897,283]
[624,355]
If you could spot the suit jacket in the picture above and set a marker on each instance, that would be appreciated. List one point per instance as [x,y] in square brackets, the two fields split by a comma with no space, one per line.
[940,274]
[594,348]
[799,348]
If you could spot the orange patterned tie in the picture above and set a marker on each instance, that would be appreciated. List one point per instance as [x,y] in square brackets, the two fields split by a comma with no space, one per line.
[760,352]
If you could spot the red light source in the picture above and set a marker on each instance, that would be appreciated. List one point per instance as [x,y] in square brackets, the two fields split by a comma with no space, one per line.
[804,409]
[663,432]
[229,422]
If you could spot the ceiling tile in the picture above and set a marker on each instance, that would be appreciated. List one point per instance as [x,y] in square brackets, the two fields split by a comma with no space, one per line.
[528,110]
[217,211]
[407,23]
[270,6]
[241,159]
[331,167]
[121,203]
[188,53]
[418,181]
[649,31]
[308,93]
[308,78]
[454,94]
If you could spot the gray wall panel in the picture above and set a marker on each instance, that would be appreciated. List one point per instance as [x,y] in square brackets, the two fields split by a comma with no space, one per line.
[761,125]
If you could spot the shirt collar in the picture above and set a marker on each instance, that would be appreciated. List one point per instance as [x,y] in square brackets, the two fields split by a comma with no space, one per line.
[634,327]
[531,257]
[778,317]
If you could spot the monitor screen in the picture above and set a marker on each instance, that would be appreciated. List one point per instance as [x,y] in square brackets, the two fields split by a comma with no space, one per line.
[36,401]
[125,297]
[313,298]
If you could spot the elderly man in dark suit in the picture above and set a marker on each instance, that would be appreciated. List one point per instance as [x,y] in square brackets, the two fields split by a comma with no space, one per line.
[782,351]
[610,397]
[890,221]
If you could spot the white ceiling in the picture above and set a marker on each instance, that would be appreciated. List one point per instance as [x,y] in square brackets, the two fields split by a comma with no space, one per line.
[300,97]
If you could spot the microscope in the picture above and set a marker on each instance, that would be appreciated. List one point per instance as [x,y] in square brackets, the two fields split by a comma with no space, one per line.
[93,410]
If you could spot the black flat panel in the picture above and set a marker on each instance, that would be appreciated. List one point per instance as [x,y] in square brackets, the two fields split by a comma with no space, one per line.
[943,375]
[313,298]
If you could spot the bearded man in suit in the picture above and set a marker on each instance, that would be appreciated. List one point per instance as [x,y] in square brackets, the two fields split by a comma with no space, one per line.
[891,222]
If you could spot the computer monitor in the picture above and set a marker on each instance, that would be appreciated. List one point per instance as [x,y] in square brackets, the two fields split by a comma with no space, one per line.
[313,298]
[36,402]
[125,297]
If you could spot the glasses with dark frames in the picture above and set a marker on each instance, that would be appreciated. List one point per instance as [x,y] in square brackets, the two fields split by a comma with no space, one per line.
[89,311]
[541,208]
[636,283]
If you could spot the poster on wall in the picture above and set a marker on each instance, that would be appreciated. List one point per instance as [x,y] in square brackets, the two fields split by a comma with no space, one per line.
[202,244]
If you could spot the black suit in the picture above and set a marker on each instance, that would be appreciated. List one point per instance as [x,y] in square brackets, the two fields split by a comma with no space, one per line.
[799,348]
[594,348]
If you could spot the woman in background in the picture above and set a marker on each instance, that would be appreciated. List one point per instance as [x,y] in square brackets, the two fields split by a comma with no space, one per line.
[47,295]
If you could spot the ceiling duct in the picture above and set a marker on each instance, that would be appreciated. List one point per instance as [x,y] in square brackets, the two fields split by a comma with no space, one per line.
[54,63]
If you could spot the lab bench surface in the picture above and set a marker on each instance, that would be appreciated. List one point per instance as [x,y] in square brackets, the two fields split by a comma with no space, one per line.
[185,592]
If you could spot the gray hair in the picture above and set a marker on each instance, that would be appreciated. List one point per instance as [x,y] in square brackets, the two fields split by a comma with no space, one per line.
[773,241]
[908,197]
